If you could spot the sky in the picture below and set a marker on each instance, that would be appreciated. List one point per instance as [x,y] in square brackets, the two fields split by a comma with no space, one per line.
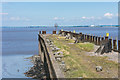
[62,13]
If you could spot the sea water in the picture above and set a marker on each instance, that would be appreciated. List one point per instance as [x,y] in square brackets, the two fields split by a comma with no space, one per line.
[19,43]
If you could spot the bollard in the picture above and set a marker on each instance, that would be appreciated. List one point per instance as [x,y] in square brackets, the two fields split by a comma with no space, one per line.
[98,40]
[42,32]
[80,33]
[54,32]
[60,32]
[83,37]
[107,34]
[119,46]
[80,37]
[71,35]
[106,38]
[39,32]
[93,39]
[110,45]
[87,37]
[102,38]
[90,38]
[74,31]
[114,45]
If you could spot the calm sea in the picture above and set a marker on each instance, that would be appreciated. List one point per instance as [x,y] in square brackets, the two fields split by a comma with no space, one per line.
[19,43]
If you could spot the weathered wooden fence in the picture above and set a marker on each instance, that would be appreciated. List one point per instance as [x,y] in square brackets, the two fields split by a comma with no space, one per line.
[98,40]
[109,43]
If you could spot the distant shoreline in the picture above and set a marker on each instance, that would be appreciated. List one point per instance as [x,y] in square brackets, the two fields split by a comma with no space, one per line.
[58,26]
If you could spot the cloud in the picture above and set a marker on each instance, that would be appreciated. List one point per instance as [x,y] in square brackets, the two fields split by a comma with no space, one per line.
[15,18]
[83,17]
[88,17]
[58,18]
[55,18]
[19,18]
[108,15]
[91,17]
[3,13]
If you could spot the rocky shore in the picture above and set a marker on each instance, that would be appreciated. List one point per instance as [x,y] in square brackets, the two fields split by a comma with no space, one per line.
[37,71]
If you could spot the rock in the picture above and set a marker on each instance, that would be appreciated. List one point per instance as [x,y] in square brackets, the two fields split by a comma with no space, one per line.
[98,68]
[36,58]
[50,42]
[63,66]
[37,70]
[58,53]
[58,59]
[47,40]
[70,43]
[66,37]
[34,77]
[63,62]
[51,45]
[58,56]
[55,49]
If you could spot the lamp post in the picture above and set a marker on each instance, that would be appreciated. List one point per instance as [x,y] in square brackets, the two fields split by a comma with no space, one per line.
[55,26]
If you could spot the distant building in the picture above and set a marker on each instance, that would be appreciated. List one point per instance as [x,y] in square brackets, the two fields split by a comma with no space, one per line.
[92,25]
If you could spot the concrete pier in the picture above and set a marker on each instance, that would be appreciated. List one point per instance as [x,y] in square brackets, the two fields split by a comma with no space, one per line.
[49,59]
[51,66]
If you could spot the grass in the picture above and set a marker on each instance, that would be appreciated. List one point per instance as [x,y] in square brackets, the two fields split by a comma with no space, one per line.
[86,47]
[80,64]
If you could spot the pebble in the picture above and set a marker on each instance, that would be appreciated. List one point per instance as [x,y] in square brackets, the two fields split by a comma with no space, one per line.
[58,59]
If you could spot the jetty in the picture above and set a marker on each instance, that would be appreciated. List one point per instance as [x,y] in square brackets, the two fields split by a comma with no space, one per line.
[76,55]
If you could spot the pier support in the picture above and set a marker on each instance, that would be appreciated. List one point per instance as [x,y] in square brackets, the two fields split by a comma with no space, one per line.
[114,45]
[119,46]
[54,32]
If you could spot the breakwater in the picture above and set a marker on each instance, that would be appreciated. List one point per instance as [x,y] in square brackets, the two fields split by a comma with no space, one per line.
[71,47]
[47,56]
[51,67]
[111,44]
